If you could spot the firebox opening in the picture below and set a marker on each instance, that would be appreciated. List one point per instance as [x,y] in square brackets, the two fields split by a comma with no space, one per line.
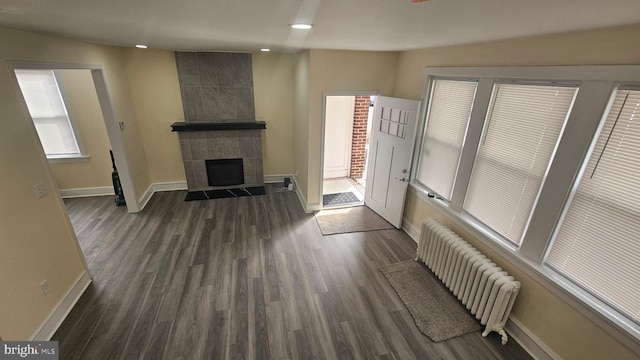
[223,172]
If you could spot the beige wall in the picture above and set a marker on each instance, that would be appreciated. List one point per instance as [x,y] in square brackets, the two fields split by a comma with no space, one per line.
[595,47]
[156,95]
[153,79]
[82,104]
[38,242]
[273,95]
[301,120]
[36,238]
[338,70]
[562,328]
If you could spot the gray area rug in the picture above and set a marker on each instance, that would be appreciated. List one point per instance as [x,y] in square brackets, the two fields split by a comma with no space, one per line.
[437,313]
[339,198]
[347,220]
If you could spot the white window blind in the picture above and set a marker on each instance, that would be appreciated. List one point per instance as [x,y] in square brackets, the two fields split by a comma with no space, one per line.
[519,135]
[47,109]
[449,109]
[597,243]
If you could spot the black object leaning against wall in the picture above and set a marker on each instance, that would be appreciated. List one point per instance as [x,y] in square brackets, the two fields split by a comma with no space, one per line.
[117,187]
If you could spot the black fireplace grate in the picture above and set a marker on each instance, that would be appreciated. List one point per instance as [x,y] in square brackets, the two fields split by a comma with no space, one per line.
[225,172]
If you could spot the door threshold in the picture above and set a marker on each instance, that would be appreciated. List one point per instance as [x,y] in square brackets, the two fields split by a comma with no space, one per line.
[341,206]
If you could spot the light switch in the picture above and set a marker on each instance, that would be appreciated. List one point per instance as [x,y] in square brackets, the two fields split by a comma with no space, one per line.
[40,189]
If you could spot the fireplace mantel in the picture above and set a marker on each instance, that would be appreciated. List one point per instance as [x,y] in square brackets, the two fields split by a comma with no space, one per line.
[218,126]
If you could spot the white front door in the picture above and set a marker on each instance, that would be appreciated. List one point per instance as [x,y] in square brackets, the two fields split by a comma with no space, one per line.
[390,152]
[338,129]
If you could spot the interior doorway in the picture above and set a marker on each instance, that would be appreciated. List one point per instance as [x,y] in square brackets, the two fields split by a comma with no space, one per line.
[346,129]
[95,83]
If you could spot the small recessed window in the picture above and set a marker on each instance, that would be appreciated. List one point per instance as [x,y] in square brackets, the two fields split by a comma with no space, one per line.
[49,114]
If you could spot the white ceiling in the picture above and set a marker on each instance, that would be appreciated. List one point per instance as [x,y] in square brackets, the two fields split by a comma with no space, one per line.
[247,25]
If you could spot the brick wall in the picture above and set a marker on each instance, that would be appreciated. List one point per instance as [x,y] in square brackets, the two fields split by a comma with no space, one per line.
[358,154]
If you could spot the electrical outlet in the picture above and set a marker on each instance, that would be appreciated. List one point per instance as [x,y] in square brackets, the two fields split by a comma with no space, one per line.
[44,286]
[40,189]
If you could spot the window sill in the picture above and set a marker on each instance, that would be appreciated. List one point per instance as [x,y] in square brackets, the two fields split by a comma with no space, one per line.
[68,159]
[618,326]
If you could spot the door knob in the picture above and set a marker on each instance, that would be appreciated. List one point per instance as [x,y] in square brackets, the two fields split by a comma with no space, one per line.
[404,171]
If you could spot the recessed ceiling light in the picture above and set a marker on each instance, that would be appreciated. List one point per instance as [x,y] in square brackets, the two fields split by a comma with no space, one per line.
[139,46]
[301,26]
[265,49]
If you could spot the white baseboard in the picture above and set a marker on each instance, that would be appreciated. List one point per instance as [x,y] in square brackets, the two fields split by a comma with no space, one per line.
[85,192]
[169,186]
[276,178]
[412,231]
[60,312]
[158,187]
[303,201]
[301,198]
[528,341]
[516,330]
[146,196]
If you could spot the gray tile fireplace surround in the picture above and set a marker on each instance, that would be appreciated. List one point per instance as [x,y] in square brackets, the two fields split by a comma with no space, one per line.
[198,146]
[219,115]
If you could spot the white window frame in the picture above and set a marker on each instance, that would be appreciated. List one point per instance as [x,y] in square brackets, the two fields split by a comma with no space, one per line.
[596,87]
[420,144]
[81,155]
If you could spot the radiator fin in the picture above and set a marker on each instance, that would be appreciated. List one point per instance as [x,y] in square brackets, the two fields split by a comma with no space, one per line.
[482,287]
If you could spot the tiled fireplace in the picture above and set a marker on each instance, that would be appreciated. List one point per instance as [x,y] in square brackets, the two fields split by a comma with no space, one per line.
[211,141]
[220,137]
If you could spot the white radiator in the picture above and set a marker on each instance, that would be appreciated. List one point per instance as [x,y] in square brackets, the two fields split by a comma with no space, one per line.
[482,286]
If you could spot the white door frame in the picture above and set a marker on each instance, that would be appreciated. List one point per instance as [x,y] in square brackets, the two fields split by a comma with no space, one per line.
[322,136]
[110,119]
[348,138]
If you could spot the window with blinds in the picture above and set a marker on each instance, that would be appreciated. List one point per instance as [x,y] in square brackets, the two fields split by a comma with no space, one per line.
[46,107]
[597,244]
[449,109]
[520,133]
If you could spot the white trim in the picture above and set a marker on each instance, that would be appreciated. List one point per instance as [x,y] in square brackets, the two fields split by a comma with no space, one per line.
[616,73]
[528,341]
[411,230]
[51,324]
[169,186]
[145,197]
[159,187]
[376,93]
[517,331]
[111,120]
[85,192]
[312,208]
[596,85]
[581,302]
[276,178]
[303,201]
[53,159]
[116,138]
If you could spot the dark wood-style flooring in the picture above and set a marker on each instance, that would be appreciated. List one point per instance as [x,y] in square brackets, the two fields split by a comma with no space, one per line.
[242,278]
